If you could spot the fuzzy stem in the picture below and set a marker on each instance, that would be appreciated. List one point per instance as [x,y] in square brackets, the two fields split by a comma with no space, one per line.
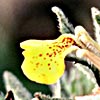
[89,55]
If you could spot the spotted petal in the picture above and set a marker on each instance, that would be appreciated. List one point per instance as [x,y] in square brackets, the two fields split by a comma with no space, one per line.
[44,59]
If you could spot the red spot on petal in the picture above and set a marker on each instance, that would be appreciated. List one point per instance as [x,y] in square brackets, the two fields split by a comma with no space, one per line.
[40,55]
[54,53]
[37,63]
[50,55]
[69,39]
[59,46]
[56,49]
[63,40]
[53,49]
[47,53]
[62,46]
[49,64]
[59,51]
[66,45]
[50,47]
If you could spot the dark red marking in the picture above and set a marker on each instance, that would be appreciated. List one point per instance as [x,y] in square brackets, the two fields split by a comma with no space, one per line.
[63,40]
[37,63]
[69,40]
[59,46]
[50,55]
[59,51]
[56,49]
[40,55]
[62,46]
[66,45]
[50,47]
[54,53]
[49,64]
[53,49]
[47,53]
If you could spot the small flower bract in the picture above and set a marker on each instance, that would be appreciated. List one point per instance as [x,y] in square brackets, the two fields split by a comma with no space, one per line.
[44,59]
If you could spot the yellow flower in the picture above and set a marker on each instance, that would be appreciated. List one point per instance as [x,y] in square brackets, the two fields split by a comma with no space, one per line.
[44,59]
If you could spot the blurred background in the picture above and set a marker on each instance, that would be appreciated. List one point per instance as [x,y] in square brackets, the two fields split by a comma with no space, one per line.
[25,19]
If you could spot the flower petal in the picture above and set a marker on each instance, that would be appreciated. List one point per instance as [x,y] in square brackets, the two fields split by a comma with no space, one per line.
[44,59]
